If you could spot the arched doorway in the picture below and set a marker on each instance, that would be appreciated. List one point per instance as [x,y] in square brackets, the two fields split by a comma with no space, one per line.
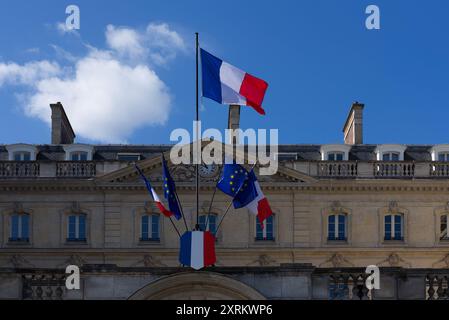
[197,286]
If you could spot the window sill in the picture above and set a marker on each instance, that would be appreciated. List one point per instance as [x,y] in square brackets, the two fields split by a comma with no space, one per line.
[75,242]
[337,242]
[149,241]
[18,242]
[264,240]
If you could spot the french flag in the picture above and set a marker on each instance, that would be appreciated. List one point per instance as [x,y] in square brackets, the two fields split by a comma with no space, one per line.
[154,195]
[227,84]
[197,249]
[259,206]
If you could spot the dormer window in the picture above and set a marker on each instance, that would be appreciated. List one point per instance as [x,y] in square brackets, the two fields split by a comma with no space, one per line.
[21,152]
[335,152]
[443,156]
[78,156]
[390,152]
[440,153]
[130,157]
[390,156]
[335,156]
[22,156]
[78,152]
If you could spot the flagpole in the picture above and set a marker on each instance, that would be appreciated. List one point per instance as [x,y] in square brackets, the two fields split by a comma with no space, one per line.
[174,226]
[197,226]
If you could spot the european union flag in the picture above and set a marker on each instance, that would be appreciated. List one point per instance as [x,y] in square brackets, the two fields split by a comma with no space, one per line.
[170,191]
[247,192]
[233,177]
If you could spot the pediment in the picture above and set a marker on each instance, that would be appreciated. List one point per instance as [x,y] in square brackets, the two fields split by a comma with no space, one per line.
[185,174]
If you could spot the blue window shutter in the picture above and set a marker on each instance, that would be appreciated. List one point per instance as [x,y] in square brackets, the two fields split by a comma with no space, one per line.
[82,227]
[387,220]
[145,228]
[341,227]
[202,222]
[269,226]
[25,227]
[14,227]
[155,226]
[72,227]
[331,227]
[212,223]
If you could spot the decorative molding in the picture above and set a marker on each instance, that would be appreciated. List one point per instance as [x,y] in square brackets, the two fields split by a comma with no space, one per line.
[263,260]
[18,261]
[149,261]
[394,260]
[337,261]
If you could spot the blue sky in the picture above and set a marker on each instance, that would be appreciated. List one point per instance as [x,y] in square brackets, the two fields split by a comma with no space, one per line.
[317,56]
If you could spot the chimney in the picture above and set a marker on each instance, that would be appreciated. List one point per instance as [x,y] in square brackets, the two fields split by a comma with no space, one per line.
[61,130]
[353,129]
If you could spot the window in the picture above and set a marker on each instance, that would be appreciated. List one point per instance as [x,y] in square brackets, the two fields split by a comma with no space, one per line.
[150,227]
[394,229]
[78,156]
[336,227]
[443,156]
[443,227]
[76,229]
[267,232]
[22,156]
[208,223]
[390,156]
[335,152]
[128,157]
[20,228]
[335,156]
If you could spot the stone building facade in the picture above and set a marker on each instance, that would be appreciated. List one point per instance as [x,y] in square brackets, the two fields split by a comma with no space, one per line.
[338,209]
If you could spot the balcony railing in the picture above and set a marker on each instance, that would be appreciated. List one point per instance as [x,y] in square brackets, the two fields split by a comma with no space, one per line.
[337,169]
[75,169]
[439,169]
[21,169]
[394,169]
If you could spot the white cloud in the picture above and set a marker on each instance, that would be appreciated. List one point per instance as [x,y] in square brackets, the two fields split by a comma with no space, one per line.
[125,41]
[105,100]
[107,94]
[157,42]
[27,74]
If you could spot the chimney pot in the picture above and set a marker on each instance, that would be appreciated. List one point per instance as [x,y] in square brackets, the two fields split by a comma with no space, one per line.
[353,128]
[61,129]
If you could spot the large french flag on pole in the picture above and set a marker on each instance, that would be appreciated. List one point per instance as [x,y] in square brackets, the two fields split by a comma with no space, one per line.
[197,249]
[227,84]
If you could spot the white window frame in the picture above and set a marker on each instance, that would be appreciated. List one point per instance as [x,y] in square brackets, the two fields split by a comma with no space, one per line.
[76,148]
[77,225]
[20,222]
[264,231]
[335,148]
[336,226]
[390,148]
[392,230]
[150,225]
[13,149]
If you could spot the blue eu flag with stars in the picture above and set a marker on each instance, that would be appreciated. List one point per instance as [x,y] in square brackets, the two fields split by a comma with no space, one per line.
[237,183]
[170,191]
[247,192]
